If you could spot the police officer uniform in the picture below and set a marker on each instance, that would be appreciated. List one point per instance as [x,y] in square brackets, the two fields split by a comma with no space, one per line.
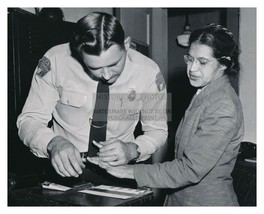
[61,90]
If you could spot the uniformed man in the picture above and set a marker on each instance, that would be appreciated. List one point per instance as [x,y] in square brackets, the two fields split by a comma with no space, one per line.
[63,89]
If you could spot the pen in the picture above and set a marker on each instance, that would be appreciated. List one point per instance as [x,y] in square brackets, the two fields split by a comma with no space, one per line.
[97,144]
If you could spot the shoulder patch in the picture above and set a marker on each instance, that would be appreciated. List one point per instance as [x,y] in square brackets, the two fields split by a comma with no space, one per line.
[160,82]
[43,66]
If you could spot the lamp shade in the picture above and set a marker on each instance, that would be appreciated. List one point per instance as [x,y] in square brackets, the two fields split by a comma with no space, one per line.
[183,39]
[52,13]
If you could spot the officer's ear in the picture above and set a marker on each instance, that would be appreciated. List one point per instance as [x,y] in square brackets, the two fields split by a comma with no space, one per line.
[127,42]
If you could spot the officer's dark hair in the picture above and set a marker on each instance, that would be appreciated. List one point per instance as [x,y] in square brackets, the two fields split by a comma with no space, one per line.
[225,48]
[97,32]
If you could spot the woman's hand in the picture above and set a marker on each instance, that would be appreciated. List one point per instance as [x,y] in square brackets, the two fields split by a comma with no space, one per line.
[125,171]
[116,152]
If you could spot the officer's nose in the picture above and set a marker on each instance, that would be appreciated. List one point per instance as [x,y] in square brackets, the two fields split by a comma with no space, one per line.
[106,74]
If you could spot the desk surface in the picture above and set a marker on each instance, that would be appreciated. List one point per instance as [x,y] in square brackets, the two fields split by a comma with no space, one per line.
[37,196]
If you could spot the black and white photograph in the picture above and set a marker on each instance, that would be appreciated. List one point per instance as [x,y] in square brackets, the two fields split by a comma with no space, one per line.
[142,106]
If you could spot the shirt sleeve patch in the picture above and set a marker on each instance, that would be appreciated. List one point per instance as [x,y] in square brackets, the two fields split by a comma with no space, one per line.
[160,82]
[43,66]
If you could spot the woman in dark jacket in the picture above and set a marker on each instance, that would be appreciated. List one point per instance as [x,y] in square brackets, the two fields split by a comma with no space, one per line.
[209,135]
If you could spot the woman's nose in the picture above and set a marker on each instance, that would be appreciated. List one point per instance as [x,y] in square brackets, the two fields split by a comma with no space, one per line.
[194,66]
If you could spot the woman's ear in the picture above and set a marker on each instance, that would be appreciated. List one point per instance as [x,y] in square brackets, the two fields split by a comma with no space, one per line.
[127,42]
[223,67]
[221,70]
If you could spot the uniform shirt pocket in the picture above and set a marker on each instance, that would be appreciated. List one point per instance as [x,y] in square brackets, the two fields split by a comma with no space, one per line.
[73,99]
[131,107]
[73,109]
[124,110]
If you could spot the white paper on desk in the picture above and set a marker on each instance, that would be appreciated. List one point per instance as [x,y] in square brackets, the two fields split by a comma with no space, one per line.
[106,194]
[120,189]
[53,186]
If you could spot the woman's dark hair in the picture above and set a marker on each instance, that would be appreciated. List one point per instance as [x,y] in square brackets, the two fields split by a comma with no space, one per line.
[97,32]
[225,48]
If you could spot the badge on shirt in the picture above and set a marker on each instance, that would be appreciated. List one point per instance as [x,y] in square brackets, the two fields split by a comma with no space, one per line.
[160,82]
[132,95]
[43,66]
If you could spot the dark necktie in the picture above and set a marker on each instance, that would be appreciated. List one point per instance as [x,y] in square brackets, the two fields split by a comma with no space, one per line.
[99,121]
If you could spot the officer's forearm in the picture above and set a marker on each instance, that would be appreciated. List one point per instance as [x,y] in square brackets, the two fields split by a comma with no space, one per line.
[57,140]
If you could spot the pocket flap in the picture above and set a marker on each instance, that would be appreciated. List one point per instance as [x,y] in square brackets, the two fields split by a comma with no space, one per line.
[73,99]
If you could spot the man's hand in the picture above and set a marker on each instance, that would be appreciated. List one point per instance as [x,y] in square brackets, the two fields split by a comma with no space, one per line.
[125,171]
[115,152]
[65,157]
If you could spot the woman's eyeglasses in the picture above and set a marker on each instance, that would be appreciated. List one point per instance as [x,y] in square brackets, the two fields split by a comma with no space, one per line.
[202,62]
